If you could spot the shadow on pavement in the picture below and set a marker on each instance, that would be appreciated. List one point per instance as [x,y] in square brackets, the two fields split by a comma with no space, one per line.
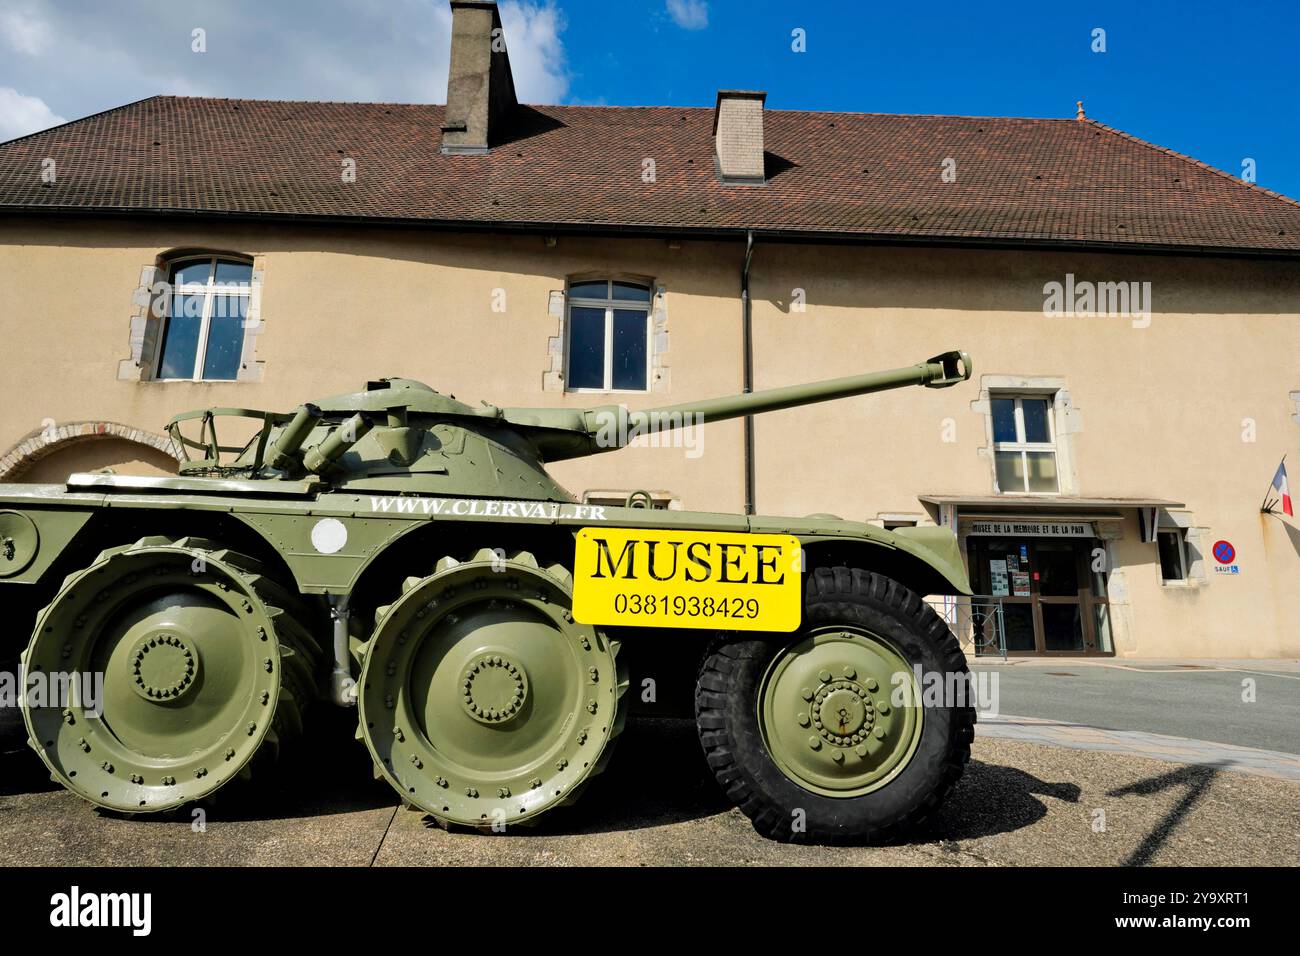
[991,799]
[1196,779]
[657,777]
[21,771]
[324,773]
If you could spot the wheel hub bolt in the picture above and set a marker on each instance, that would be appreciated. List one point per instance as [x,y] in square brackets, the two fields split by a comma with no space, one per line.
[493,689]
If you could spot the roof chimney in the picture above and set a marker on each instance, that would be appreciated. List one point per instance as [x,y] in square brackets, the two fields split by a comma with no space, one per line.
[480,87]
[738,136]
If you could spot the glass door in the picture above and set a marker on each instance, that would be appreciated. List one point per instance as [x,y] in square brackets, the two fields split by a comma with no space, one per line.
[1052,591]
[1000,568]
[1055,579]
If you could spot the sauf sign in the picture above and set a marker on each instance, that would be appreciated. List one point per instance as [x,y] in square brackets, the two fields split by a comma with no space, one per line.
[688,579]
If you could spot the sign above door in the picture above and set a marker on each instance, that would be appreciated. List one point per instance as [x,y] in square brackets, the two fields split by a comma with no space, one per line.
[1033,529]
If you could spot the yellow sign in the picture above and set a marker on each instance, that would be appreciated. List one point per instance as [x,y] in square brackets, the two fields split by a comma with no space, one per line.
[702,579]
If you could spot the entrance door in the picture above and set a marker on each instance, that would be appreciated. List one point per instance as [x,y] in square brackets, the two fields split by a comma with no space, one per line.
[1053,601]
[1055,576]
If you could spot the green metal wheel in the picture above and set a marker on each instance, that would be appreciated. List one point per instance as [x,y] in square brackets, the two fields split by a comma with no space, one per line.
[482,701]
[840,712]
[177,669]
[824,736]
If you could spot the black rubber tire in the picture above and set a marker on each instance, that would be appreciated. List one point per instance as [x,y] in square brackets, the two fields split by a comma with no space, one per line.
[726,716]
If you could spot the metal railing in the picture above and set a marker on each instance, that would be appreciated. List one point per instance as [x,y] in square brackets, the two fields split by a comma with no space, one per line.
[976,620]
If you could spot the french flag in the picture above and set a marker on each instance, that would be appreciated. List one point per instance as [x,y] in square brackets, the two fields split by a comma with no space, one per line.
[1281,487]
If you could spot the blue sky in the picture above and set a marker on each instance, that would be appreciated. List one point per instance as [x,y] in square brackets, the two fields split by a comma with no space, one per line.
[1218,81]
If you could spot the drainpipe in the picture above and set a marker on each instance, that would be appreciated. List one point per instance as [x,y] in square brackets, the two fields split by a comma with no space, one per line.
[747,369]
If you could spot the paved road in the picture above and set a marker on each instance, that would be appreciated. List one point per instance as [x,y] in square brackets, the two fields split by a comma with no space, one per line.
[1202,700]
[1019,803]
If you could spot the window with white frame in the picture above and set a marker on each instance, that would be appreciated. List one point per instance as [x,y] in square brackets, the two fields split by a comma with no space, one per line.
[203,335]
[1024,444]
[608,341]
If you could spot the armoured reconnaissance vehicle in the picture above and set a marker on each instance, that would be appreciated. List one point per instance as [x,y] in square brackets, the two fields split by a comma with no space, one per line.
[403,553]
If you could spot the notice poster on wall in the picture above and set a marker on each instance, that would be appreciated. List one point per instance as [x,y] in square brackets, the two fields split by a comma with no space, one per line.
[1020,583]
[998,577]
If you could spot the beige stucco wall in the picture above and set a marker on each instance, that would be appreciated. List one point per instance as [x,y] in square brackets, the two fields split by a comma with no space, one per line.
[124,457]
[1158,410]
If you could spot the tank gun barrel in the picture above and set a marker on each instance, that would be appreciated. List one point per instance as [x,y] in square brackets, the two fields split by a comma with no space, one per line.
[941,371]
[572,433]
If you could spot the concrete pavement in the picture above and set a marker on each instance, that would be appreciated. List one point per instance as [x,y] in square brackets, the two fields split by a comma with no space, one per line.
[1243,703]
[1201,753]
[1019,803]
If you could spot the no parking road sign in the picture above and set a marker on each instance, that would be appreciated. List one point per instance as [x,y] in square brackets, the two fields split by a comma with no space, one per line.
[1226,556]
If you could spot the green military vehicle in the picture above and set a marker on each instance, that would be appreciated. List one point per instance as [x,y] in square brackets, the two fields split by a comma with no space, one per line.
[403,553]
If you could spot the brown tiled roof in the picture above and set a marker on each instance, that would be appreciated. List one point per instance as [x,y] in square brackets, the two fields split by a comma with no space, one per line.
[864,175]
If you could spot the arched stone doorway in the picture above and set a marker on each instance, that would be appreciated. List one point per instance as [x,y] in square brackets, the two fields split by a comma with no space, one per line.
[55,451]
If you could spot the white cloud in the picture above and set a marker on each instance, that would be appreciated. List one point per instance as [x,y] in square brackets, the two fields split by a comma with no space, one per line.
[96,56]
[537,57]
[20,115]
[689,14]
[24,31]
